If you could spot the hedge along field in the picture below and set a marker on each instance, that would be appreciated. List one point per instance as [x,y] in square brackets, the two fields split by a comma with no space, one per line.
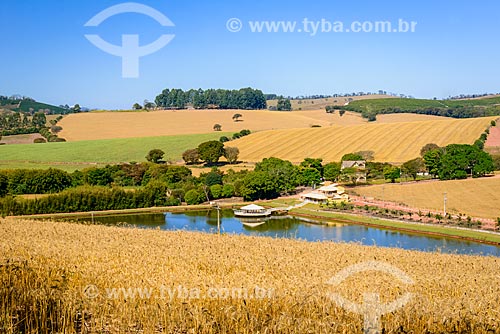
[84,153]
[394,142]
[182,282]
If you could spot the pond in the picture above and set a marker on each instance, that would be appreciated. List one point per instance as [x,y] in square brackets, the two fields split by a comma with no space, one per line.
[298,228]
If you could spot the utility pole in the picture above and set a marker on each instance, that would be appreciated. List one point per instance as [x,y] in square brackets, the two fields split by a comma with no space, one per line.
[444,202]
[218,219]
[216,206]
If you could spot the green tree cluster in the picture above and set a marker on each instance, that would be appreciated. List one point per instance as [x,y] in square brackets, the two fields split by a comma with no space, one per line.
[284,104]
[245,98]
[457,161]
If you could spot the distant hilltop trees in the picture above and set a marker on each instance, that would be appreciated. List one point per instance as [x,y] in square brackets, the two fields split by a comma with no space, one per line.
[470,96]
[245,98]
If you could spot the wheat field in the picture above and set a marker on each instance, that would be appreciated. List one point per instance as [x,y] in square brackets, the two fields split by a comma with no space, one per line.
[474,197]
[67,278]
[391,142]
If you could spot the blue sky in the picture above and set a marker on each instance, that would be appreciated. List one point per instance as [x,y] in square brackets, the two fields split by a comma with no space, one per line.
[46,56]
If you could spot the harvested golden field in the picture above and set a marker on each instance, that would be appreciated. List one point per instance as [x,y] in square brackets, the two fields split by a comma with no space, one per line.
[474,197]
[391,142]
[398,118]
[67,278]
[109,125]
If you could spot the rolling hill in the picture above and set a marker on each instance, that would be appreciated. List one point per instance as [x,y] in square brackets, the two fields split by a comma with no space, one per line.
[486,106]
[391,142]
[109,125]
[28,106]
[313,104]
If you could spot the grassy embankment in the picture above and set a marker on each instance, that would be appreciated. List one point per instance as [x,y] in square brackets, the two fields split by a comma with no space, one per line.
[314,211]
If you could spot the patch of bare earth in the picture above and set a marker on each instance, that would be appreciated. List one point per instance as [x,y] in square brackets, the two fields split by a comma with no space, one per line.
[20,139]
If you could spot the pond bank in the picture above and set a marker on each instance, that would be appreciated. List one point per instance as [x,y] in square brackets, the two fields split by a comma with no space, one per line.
[485,237]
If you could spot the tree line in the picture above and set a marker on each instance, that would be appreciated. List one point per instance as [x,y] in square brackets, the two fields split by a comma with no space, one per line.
[245,98]
[453,111]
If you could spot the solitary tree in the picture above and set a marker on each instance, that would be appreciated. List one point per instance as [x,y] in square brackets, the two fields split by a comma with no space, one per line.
[137,106]
[77,108]
[217,127]
[231,154]
[155,155]
[236,117]
[211,151]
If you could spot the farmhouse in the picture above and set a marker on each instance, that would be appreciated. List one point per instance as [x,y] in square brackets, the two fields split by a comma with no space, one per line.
[359,166]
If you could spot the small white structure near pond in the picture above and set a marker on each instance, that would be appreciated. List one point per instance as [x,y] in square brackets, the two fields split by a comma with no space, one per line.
[252,210]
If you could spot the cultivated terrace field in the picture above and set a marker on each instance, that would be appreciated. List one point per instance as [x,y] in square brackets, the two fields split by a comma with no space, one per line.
[97,279]
[394,142]
[474,197]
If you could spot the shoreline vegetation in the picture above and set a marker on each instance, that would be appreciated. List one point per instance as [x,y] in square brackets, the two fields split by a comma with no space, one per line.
[310,211]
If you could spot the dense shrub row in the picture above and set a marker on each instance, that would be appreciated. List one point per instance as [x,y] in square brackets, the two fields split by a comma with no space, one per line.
[88,198]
